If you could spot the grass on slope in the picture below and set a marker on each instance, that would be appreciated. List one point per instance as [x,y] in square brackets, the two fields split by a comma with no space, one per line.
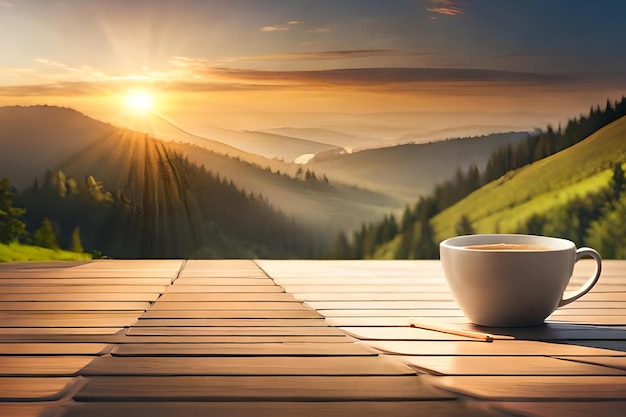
[16,252]
[509,201]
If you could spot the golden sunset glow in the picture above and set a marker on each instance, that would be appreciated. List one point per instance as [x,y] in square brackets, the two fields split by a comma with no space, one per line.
[140,102]
[261,65]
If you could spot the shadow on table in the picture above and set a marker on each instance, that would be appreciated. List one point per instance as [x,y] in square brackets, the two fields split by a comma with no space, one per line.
[603,337]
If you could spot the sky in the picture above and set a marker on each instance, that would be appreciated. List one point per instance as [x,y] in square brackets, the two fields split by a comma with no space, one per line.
[384,69]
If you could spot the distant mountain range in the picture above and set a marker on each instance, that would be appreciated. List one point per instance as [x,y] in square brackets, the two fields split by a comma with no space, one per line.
[334,191]
[329,137]
[411,170]
[241,143]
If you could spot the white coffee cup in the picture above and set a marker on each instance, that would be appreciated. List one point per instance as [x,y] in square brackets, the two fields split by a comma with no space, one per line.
[507,283]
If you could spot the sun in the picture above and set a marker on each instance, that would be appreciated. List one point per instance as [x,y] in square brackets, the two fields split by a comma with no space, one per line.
[140,102]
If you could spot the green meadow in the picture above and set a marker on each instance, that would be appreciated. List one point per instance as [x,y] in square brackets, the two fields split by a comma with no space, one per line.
[16,252]
[508,202]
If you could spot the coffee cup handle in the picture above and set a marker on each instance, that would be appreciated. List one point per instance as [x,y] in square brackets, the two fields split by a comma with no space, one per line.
[569,296]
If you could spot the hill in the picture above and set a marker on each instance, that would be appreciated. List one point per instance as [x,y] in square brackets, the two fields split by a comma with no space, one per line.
[261,148]
[81,146]
[568,182]
[142,199]
[268,145]
[39,137]
[160,127]
[411,170]
[504,205]
[328,205]
[330,137]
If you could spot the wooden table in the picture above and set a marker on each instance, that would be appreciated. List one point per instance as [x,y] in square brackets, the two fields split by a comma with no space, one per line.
[285,338]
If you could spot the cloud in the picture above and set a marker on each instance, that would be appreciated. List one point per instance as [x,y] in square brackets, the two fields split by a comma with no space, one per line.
[187,74]
[391,76]
[60,89]
[6,3]
[320,55]
[281,27]
[320,29]
[445,7]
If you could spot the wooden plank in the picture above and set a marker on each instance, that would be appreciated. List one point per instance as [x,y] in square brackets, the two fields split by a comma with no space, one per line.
[58,320]
[13,315]
[555,331]
[615,346]
[276,409]
[127,282]
[259,388]
[222,273]
[338,287]
[506,365]
[588,312]
[591,320]
[342,280]
[369,321]
[83,296]
[43,265]
[226,297]
[33,388]
[131,264]
[231,314]
[220,263]
[26,409]
[73,305]
[235,350]
[617,362]
[235,331]
[498,347]
[75,321]
[547,332]
[226,282]
[235,339]
[51,349]
[383,305]
[398,333]
[263,322]
[234,305]
[47,289]
[223,289]
[604,296]
[6,332]
[533,388]
[583,304]
[120,338]
[559,408]
[394,313]
[373,296]
[258,365]
[69,274]
[42,365]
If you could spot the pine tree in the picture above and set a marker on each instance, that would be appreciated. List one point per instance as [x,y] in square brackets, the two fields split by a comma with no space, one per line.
[11,227]
[464,226]
[46,236]
[618,181]
[76,245]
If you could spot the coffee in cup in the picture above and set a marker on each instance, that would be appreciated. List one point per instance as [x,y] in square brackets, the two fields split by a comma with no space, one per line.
[508,280]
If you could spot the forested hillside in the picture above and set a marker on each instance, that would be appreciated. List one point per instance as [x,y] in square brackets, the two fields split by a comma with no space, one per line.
[144,200]
[544,185]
